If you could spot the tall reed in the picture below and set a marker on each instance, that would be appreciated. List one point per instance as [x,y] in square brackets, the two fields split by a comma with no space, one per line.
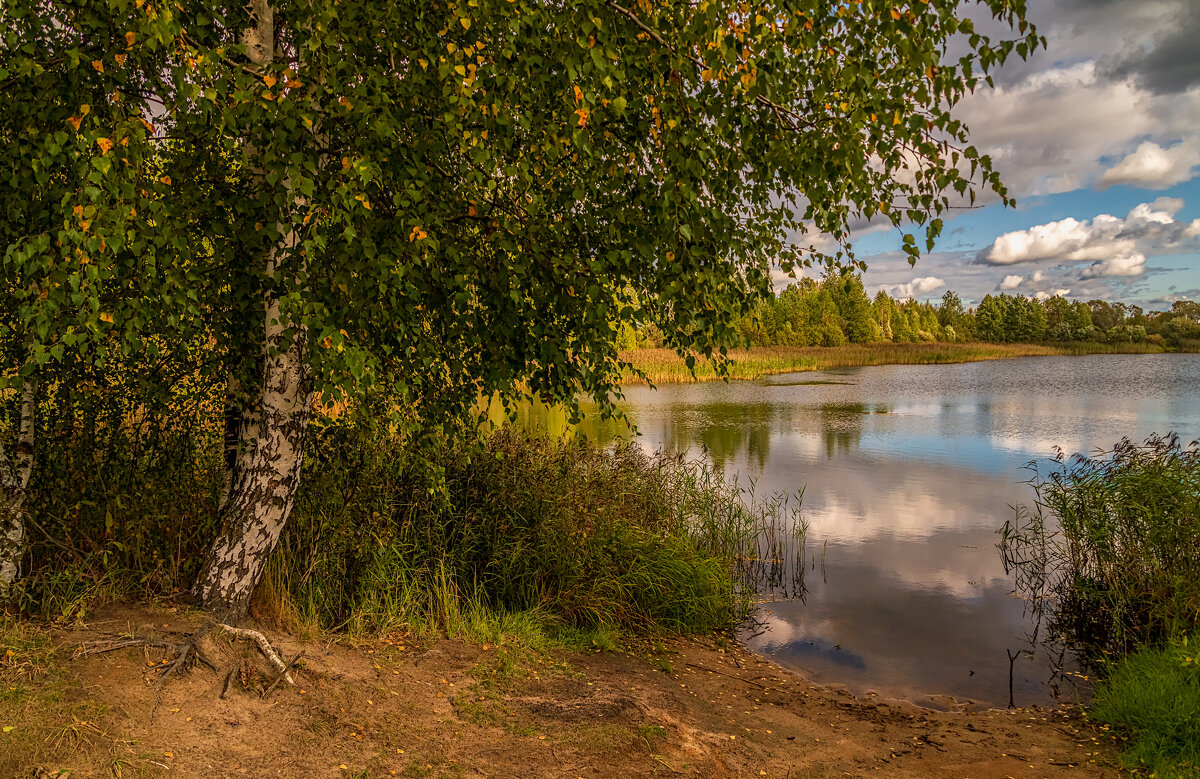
[1109,550]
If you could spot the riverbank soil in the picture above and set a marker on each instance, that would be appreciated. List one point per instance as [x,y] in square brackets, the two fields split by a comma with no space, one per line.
[394,707]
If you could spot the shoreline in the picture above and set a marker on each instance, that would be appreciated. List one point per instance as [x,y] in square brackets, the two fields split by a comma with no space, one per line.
[664,366]
[387,705]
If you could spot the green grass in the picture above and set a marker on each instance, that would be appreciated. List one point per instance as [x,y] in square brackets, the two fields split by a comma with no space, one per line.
[1152,699]
[664,366]
[530,541]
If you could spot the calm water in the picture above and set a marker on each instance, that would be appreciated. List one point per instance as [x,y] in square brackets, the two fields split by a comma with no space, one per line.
[908,472]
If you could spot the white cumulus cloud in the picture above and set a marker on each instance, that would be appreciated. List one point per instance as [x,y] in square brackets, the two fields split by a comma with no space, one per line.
[1011,282]
[1153,167]
[1149,228]
[1132,265]
[915,288]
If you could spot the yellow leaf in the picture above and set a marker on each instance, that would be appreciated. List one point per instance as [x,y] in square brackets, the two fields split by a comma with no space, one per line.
[896,119]
[120,58]
[166,180]
[75,122]
[465,22]
[269,81]
[294,84]
[149,127]
[78,211]
[423,63]
[578,93]
[84,224]
[107,317]
[130,37]
[268,95]
[895,14]
[450,47]
[417,234]
[98,66]
[85,109]
[345,102]
[104,144]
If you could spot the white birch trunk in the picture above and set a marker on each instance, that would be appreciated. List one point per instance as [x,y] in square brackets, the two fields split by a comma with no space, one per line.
[265,473]
[14,478]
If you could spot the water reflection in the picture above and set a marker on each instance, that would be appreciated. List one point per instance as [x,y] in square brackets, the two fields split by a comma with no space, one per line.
[908,472]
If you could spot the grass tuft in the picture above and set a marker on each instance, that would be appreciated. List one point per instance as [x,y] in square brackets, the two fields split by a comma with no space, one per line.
[1153,700]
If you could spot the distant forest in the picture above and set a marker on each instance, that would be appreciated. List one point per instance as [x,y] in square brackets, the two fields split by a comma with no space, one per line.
[837,310]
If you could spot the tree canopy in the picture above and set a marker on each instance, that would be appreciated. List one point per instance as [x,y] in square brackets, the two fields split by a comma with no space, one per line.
[443,200]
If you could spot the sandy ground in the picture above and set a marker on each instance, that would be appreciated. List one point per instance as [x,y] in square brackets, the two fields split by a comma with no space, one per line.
[451,709]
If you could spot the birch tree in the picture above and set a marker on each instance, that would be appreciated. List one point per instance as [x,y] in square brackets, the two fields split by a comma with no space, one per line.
[434,201]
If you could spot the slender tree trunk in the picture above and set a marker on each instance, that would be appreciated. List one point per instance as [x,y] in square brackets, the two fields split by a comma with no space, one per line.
[263,473]
[14,478]
[263,484]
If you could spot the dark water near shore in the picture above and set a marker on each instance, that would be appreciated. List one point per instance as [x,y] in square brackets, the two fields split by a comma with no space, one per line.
[908,472]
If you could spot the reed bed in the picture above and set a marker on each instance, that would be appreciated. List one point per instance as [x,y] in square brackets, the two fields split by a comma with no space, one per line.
[664,366]
[1108,559]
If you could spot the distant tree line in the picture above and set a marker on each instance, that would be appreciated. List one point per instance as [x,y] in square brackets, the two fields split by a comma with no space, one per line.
[836,310]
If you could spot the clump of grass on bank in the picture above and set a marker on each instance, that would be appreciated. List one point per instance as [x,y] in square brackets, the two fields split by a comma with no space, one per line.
[664,366]
[575,538]
[1153,700]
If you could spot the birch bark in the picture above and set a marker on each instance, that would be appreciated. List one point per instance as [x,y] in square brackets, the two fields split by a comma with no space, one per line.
[14,478]
[264,473]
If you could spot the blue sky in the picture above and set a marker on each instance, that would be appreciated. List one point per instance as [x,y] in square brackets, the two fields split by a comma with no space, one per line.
[1098,137]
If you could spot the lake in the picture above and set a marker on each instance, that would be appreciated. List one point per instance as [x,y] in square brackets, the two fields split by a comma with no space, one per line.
[908,472]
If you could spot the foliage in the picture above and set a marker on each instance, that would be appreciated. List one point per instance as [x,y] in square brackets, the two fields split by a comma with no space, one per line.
[574,537]
[467,195]
[1152,698]
[1108,550]
[835,310]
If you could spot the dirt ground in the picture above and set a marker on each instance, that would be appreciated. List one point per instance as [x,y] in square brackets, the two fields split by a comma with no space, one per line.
[391,707]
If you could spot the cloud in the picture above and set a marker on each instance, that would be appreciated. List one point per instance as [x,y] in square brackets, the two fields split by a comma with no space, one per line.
[1149,228]
[1056,121]
[1132,265]
[1011,282]
[1043,294]
[915,288]
[1153,167]
[1167,61]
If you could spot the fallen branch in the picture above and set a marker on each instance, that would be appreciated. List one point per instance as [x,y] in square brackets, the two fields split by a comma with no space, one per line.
[280,676]
[731,676]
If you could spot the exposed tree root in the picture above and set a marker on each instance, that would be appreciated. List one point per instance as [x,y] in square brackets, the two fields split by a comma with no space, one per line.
[264,646]
[186,653]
